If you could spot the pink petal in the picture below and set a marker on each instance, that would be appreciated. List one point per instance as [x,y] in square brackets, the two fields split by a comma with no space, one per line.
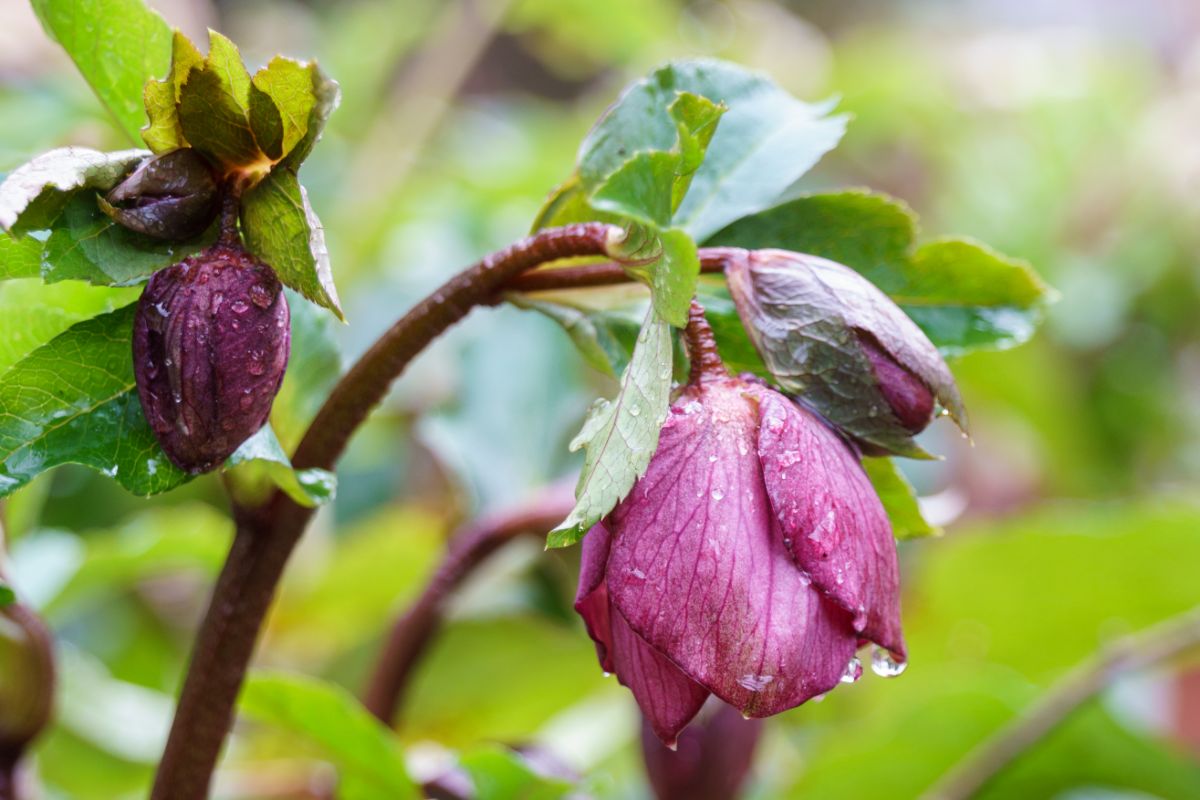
[668,698]
[699,570]
[591,599]
[832,521]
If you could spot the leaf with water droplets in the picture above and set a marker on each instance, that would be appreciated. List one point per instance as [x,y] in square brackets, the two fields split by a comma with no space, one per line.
[620,435]
[73,400]
[34,194]
[281,228]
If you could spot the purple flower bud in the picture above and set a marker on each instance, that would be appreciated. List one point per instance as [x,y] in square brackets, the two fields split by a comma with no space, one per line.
[749,562]
[210,345]
[27,682]
[712,758]
[172,196]
[905,393]
[833,339]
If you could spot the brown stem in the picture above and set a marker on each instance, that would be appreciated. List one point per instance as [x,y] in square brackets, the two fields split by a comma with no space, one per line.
[712,259]
[8,775]
[467,550]
[231,203]
[266,536]
[1129,654]
[702,348]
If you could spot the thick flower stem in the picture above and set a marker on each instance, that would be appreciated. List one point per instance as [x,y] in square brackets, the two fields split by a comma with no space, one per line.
[467,550]
[1138,651]
[712,259]
[266,536]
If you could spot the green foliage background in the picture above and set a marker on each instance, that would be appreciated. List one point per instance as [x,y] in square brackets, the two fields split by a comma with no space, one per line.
[1066,138]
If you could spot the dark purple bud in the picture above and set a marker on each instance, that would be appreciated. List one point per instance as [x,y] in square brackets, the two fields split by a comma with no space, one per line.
[172,196]
[712,758]
[906,394]
[834,340]
[210,345]
[26,679]
[750,561]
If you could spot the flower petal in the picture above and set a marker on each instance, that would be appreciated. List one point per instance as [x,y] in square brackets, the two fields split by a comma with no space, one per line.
[591,599]
[832,521]
[668,698]
[699,570]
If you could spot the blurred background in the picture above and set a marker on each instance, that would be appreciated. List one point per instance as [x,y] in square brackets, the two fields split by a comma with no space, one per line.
[1064,133]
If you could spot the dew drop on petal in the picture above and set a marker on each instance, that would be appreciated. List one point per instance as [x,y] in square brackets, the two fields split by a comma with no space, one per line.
[718,494]
[884,665]
[854,671]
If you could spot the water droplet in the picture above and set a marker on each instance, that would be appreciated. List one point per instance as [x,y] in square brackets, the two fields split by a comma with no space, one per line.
[743,449]
[606,674]
[260,296]
[854,671]
[239,306]
[712,459]
[885,665]
[162,310]
[637,573]
[755,683]
[817,698]
[634,410]
[717,494]
[168,361]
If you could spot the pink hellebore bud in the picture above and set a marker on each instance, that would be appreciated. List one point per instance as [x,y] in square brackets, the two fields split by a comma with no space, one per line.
[750,561]
[713,757]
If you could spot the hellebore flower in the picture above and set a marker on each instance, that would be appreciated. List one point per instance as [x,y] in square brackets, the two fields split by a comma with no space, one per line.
[749,562]
[210,346]
[830,336]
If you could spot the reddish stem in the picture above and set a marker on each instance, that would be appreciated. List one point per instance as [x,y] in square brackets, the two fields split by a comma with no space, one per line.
[467,550]
[712,259]
[266,536]
[702,348]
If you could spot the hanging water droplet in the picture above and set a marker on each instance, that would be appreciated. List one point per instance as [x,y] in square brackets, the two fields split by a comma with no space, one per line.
[854,671]
[885,665]
[260,296]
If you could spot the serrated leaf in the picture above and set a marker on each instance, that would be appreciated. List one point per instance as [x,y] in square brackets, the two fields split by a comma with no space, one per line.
[262,452]
[290,86]
[765,141]
[328,95]
[363,749]
[34,194]
[620,435]
[85,244]
[32,313]
[73,400]
[19,258]
[280,227]
[962,294]
[605,338]
[214,108]
[117,45]
[163,132]
[899,499]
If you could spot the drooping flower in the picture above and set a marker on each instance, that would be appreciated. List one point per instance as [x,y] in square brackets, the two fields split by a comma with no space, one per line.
[210,345]
[749,562]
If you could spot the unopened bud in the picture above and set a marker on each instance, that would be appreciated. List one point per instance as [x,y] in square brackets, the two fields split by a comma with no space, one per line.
[172,196]
[26,678]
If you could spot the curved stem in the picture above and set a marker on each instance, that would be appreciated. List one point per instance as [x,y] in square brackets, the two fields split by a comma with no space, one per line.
[712,259]
[266,536]
[1129,654]
[467,550]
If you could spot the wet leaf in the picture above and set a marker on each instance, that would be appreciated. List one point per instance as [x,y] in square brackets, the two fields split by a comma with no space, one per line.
[34,194]
[620,435]
[899,499]
[264,456]
[163,132]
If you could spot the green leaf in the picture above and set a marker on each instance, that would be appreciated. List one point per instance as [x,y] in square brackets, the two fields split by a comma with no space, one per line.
[899,499]
[765,141]
[281,228]
[620,435]
[117,45]
[501,774]
[263,452]
[963,295]
[34,194]
[73,400]
[32,313]
[163,132]
[364,751]
[214,108]
[19,258]
[7,596]
[673,277]
[85,244]
[328,95]
[312,370]
[290,88]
